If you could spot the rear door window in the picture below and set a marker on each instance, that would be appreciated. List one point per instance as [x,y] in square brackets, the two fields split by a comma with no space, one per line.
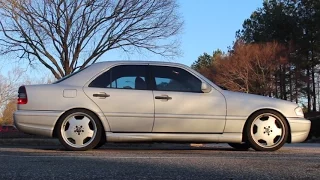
[123,77]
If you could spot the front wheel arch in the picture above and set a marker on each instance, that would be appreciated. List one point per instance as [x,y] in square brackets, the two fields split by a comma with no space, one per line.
[244,138]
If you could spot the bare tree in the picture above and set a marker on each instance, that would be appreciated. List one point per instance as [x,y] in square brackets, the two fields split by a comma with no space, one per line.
[7,115]
[9,85]
[65,35]
[251,68]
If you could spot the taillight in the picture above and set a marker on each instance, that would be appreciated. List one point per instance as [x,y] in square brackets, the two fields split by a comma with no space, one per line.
[22,96]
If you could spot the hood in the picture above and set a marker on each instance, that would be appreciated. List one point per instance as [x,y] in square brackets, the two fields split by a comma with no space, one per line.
[250,103]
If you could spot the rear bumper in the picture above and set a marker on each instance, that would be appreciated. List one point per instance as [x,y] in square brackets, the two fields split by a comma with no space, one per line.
[36,122]
[300,128]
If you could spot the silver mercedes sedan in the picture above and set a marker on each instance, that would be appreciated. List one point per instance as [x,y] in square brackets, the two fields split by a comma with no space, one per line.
[139,101]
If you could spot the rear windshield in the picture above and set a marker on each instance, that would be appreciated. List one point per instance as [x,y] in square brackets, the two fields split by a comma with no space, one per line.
[68,76]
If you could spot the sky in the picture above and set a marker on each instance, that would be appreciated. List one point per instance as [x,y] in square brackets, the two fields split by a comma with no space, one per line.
[209,25]
[212,25]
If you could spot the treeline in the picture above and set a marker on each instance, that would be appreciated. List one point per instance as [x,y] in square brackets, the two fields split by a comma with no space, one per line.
[276,54]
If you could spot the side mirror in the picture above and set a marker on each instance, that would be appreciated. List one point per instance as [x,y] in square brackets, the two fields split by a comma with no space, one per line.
[205,87]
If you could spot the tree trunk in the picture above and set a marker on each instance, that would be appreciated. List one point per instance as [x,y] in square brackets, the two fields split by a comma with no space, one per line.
[296,84]
[318,91]
[276,85]
[284,92]
[314,102]
[280,83]
[308,88]
[290,83]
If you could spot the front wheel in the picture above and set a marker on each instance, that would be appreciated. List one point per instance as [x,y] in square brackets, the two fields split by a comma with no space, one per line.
[79,130]
[266,130]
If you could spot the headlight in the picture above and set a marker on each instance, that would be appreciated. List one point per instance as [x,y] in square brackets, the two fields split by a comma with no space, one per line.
[299,112]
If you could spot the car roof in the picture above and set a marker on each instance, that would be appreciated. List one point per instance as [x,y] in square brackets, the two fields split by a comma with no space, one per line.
[133,62]
[95,68]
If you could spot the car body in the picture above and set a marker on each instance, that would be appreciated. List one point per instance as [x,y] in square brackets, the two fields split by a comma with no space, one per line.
[148,101]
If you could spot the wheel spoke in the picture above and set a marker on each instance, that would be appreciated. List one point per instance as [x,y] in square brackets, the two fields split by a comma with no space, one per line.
[269,141]
[85,122]
[271,120]
[259,135]
[69,133]
[276,131]
[87,130]
[89,133]
[79,140]
[260,123]
[72,122]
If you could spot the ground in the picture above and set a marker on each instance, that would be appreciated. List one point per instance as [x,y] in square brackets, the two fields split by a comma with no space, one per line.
[46,159]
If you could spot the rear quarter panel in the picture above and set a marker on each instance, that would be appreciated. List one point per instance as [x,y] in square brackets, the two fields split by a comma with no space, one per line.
[51,97]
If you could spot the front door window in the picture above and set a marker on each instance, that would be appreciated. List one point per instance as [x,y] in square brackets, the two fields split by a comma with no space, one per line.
[175,79]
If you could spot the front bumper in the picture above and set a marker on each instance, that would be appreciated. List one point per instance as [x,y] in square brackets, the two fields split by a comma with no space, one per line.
[36,122]
[300,129]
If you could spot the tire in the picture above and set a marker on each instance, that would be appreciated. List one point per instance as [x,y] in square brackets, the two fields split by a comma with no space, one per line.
[243,146]
[79,130]
[266,130]
[101,142]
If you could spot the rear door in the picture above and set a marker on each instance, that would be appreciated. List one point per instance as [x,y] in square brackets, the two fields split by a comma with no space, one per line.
[123,96]
[181,106]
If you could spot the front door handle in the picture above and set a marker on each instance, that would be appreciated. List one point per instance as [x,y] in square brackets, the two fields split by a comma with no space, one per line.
[165,97]
[101,95]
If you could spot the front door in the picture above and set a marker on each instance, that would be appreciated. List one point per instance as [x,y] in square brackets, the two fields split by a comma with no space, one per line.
[123,96]
[181,106]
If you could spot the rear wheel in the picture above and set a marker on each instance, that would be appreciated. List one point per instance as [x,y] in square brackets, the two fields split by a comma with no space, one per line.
[79,130]
[242,146]
[266,130]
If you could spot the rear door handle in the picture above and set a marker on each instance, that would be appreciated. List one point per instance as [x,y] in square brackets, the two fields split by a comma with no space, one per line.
[165,97]
[101,95]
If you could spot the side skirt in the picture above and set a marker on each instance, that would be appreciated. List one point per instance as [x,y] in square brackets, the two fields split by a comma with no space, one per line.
[174,137]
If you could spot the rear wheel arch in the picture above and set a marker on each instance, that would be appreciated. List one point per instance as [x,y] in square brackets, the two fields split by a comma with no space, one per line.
[78,109]
[244,138]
